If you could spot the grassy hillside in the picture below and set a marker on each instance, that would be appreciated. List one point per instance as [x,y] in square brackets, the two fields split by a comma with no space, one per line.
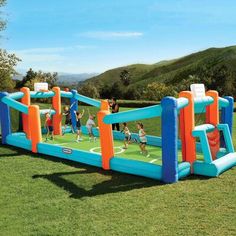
[216,67]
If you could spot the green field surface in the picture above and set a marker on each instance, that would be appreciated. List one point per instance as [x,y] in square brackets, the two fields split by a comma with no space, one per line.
[43,195]
[133,151]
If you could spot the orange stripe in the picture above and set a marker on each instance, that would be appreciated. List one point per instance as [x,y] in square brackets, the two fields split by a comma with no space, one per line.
[187,124]
[26,101]
[35,126]
[56,104]
[106,136]
[213,117]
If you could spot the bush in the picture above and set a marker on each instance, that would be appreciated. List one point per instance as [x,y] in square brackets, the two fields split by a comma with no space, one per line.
[156,91]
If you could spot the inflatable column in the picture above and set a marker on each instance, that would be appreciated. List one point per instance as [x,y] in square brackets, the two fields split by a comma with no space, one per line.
[26,101]
[5,118]
[56,104]
[187,125]
[35,127]
[106,136]
[227,113]
[213,117]
[169,133]
[73,108]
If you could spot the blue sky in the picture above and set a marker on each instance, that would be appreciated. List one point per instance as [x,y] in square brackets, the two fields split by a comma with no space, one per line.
[78,36]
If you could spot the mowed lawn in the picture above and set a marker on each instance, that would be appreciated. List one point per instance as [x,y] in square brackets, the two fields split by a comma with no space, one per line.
[41,195]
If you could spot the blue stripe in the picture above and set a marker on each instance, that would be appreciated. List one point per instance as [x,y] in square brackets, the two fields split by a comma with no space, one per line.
[42,94]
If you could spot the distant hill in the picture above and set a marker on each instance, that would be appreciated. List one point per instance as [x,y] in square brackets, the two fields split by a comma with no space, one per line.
[65,78]
[216,67]
[74,78]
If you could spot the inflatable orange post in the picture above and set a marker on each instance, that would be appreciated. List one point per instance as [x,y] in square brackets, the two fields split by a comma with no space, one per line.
[56,104]
[35,126]
[187,125]
[106,136]
[26,101]
[212,117]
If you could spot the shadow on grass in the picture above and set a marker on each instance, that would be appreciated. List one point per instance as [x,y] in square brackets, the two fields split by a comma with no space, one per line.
[116,183]
[14,151]
[196,177]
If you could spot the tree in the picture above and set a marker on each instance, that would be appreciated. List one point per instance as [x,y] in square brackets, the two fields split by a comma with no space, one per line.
[125,77]
[185,83]
[89,90]
[7,64]
[32,77]
[133,93]
[2,21]
[116,90]
[105,91]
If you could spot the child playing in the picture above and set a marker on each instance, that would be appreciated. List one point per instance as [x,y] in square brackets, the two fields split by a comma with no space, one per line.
[127,139]
[89,125]
[48,125]
[68,122]
[79,116]
[143,139]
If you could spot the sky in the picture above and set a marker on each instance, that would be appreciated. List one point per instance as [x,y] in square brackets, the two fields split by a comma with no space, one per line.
[79,36]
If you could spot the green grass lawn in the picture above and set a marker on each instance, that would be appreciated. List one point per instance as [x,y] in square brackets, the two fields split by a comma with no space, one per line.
[41,195]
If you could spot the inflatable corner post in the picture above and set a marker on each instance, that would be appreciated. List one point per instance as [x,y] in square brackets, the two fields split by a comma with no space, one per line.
[187,124]
[73,108]
[35,127]
[56,104]
[5,118]
[227,113]
[106,136]
[25,118]
[169,124]
[212,117]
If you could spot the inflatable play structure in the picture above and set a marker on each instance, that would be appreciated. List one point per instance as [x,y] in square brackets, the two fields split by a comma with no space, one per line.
[213,139]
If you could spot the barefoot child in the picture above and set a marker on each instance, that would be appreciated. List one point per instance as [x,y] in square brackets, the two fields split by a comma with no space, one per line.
[89,125]
[143,139]
[127,139]
[48,125]
[79,116]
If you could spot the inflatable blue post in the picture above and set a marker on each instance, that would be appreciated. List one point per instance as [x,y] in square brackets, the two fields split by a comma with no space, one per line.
[227,116]
[4,118]
[169,127]
[73,108]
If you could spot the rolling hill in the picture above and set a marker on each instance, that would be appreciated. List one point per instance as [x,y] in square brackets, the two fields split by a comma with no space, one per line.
[216,67]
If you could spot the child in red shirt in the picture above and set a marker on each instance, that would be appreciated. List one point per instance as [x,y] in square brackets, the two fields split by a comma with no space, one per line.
[49,126]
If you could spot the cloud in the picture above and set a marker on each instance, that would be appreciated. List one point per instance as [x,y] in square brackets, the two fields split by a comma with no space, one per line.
[110,34]
[52,58]
[40,50]
[50,50]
